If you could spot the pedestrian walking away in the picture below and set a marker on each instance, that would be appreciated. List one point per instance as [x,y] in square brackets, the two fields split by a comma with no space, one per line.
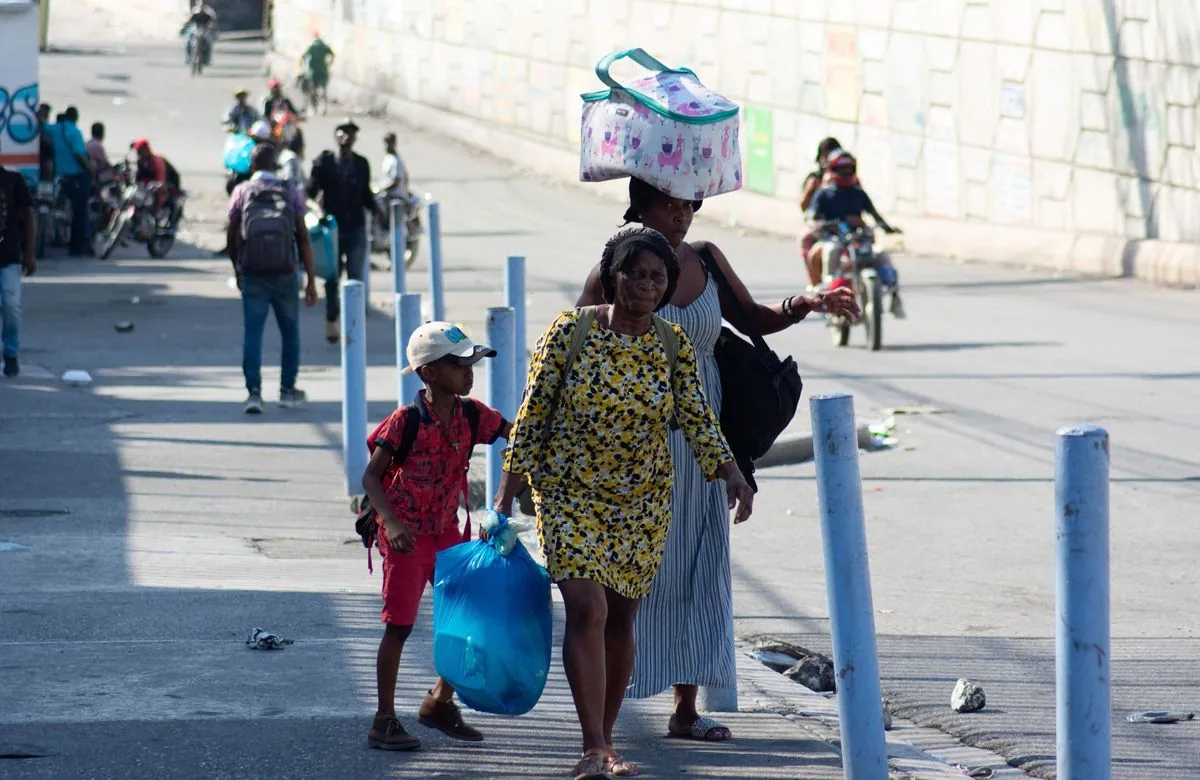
[605,386]
[17,232]
[684,629]
[266,232]
[342,182]
[416,481]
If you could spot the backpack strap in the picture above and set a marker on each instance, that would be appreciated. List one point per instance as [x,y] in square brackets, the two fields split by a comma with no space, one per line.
[412,426]
[670,341]
[471,412]
[583,325]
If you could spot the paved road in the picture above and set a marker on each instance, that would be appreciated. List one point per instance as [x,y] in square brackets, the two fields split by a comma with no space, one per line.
[174,529]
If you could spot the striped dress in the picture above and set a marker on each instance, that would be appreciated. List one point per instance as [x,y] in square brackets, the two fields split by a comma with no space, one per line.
[684,628]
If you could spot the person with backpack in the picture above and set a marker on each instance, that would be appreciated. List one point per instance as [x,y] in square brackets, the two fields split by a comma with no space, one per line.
[606,386]
[415,482]
[266,233]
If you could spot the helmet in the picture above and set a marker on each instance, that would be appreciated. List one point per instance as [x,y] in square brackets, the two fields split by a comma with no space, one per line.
[140,145]
[261,131]
[241,92]
[272,83]
[843,168]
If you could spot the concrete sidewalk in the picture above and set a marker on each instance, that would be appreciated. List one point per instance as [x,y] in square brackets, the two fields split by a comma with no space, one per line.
[157,526]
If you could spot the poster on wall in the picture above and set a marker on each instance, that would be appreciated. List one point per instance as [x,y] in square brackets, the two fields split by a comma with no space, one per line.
[1012,189]
[842,77]
[940,164]
[759,132]
[19,32]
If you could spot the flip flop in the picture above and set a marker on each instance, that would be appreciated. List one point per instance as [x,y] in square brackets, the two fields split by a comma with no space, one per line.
[704,729]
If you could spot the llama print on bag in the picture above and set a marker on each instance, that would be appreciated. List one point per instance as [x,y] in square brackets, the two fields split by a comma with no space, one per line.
[666,128]
[608,147]
[671,155]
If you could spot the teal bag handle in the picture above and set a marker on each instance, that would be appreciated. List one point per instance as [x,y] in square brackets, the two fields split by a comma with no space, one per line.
[637,55]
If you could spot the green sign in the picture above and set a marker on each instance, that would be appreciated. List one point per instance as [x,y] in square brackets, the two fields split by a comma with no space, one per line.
[760,150]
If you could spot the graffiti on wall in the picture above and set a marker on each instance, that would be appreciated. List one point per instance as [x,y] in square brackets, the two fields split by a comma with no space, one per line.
[18,115]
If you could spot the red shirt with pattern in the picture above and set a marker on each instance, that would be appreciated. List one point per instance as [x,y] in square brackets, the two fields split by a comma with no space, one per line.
[426,490]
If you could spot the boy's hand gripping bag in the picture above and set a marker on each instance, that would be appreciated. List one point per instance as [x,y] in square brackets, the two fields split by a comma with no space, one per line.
[666,129]
[491,626]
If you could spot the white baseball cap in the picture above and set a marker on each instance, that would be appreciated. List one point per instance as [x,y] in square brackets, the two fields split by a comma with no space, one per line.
[436,340]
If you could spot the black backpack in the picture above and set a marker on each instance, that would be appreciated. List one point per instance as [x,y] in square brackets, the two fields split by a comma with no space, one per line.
[268,231]
[367,523]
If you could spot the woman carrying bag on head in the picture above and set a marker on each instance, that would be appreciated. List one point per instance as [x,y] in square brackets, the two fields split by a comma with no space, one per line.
[605,387]
[688,642]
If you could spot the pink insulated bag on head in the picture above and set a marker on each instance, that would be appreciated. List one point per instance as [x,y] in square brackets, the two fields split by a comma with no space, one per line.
[666,129]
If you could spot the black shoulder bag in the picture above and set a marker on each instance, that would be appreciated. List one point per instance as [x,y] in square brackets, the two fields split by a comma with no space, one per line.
[760,392]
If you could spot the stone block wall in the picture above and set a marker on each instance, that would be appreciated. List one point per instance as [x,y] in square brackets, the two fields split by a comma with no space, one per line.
[1069,126]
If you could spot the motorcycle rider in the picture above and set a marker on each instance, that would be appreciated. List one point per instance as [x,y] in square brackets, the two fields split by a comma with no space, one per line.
[844,200]
[277,104]
[395,174]
[288,166]
[201,24]
[241,115]
[155,169]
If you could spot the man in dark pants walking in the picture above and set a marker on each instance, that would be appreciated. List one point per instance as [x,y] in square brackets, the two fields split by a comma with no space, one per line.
[266,233]
[71,162]
[343,181]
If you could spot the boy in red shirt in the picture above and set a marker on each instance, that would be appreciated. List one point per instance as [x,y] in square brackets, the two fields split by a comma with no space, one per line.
[417,501]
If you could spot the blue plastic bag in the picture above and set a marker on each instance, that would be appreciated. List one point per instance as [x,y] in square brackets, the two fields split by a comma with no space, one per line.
[491,626]
[323,236]
[238,147]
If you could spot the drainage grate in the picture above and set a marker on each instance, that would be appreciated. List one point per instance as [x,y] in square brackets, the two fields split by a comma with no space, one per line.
[33,512]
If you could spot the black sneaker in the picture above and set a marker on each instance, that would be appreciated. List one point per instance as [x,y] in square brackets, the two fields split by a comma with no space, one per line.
[11,366]
[897,307]
[254,404]
[291,399]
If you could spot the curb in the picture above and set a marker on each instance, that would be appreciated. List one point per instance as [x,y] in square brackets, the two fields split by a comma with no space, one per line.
[785,452]
[914,752]
[799,449]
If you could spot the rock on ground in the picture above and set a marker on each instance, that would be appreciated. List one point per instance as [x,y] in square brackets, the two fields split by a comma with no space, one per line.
[967,697]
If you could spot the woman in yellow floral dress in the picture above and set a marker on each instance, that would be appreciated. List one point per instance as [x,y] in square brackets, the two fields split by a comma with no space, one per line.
[594,446]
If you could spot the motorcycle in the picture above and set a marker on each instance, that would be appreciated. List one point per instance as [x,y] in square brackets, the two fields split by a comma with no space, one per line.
[849,259]
[381,231]
[53,216]
[106,195]
[146,217]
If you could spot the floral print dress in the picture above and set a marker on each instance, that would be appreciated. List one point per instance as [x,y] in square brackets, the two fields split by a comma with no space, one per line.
[601,469]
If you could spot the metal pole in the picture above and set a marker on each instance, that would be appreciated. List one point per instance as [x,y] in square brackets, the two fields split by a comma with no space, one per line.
[514,294]
[437,295]
[399,240]
[1082,620]
[408,319]
[848,586]
[354,384]
[500,337]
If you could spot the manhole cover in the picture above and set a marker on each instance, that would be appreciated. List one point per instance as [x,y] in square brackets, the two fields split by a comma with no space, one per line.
[33,512]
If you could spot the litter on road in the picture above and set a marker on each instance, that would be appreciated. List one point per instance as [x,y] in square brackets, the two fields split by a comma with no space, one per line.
[77,377]
[1160,716]
[265,640]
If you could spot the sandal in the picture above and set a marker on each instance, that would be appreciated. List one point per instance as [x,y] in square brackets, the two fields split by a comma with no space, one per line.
[617,766]
[593,766]
[704,729]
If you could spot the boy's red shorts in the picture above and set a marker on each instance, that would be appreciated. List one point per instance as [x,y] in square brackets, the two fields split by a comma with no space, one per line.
[405,575]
